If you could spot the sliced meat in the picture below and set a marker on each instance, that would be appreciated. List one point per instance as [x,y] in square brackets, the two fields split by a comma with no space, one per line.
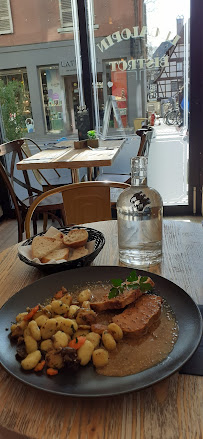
[119,302]
[137,318]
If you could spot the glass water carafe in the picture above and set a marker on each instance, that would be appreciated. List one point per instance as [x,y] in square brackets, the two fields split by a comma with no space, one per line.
[139,214]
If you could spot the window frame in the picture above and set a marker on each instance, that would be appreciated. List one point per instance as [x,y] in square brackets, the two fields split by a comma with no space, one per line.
[6,16]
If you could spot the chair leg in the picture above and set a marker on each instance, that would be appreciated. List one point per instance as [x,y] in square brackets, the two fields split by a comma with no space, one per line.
[20,233]
[45,221]
[34,221]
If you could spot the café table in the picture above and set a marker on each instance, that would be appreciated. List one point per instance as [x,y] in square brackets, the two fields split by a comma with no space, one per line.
[170,409]
[65,156]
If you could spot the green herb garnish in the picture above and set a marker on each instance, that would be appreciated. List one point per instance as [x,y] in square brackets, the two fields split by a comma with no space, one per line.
[119,285]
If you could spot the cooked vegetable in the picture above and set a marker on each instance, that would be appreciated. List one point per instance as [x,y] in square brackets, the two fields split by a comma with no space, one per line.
[52,371]
[39,366]
[31,313]
[77,342]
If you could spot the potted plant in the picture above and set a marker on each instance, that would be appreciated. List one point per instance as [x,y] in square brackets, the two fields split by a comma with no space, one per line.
[92,139]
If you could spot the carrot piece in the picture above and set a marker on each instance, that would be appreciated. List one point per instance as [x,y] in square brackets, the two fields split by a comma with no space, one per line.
[77,342]
[31,313]
[52,371]
[39,366]
[59,294]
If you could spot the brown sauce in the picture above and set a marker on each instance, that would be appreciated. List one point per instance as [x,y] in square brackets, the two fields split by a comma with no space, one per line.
[133,355]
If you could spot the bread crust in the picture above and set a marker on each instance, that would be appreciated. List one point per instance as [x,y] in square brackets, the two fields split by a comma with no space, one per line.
[76,238]
[42,245]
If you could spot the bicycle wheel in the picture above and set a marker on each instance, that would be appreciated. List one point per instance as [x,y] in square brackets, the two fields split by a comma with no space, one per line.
[171,117]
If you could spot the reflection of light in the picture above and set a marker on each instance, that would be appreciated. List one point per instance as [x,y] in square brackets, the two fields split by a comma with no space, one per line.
[45,74]
[110,20]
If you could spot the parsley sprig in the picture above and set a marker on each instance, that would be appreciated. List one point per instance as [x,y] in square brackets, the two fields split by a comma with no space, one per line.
[119,285]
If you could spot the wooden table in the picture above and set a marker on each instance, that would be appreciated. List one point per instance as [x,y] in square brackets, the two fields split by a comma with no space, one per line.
[171,409]
[74,159]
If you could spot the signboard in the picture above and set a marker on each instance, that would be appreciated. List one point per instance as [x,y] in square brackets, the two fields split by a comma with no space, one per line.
[112,104]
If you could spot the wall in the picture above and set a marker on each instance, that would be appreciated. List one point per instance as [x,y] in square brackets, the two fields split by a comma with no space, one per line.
[34,22]
[37,21]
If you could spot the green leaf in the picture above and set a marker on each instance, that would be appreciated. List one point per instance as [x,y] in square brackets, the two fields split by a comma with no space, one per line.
[145,287]
[132,276]
[143,279]
[134,286]
[114,292]
[116,282]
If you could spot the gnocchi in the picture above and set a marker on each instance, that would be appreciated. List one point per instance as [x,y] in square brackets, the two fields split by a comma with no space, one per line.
[30,344]
[34,329]
[85,352]
[49,328]
[100,357]
[84,295]
[116,331]
[60,340]
[31,360]
[108,341]
[63,331]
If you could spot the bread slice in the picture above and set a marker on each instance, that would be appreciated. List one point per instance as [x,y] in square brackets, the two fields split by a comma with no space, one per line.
[42,245]
[76,238]
[57,255]
[78,253]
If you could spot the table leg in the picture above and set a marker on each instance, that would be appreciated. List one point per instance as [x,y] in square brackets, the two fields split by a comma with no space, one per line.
[75,175]
[90,173]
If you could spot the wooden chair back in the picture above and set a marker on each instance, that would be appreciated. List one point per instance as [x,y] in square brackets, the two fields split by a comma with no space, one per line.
[83,202]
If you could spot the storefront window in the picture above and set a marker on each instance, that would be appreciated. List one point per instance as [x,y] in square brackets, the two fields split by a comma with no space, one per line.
[15,103]
[53,98]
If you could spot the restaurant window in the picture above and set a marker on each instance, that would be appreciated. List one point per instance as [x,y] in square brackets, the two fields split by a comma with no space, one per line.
[6,23]
[142,53]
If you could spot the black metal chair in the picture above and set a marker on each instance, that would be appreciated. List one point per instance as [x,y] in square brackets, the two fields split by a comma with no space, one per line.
[11,152]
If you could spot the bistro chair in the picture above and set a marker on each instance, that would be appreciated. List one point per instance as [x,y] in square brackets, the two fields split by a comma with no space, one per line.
[21,192]
[83,202]
[54,178]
